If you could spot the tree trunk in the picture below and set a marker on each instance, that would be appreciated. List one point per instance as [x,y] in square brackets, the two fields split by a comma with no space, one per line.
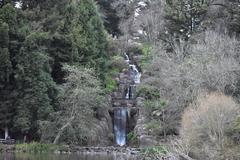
[61,130]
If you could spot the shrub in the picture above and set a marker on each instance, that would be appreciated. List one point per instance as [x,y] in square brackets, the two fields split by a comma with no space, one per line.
[156,152]
[153,124]
[205,125]
[155,105]
[210,63]
[111,84]
[132,137]
[36,147]
[118,62]
[148,92]
[146,50]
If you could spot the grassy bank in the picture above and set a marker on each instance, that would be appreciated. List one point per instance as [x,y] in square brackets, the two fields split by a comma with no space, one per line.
[33,147]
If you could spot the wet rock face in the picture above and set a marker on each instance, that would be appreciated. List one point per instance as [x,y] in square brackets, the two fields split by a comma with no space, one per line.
[124,111]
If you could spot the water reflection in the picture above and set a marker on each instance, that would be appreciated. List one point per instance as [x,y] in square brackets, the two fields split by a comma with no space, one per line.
[98,156]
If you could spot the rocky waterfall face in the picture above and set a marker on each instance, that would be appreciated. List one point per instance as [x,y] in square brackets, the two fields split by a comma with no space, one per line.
[124,102]
[120,125]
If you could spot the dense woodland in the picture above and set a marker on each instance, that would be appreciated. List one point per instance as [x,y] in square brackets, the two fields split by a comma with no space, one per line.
[58,59]
[37,41]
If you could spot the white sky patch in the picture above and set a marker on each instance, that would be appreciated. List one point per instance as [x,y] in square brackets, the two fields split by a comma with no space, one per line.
[18,5]
[137,12]
[136,38]
[140,31]
[143,4]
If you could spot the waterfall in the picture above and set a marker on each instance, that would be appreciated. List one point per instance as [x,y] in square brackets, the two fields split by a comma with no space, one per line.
[128,93]
[127,57]
[122,114]
[136,74]
[120,125]
[132,91]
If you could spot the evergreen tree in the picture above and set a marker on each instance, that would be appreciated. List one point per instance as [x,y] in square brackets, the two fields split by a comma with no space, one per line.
[111,19]
[7,25]
[6,109]
[234,10]
[35,43]
[35,84]
[183,17]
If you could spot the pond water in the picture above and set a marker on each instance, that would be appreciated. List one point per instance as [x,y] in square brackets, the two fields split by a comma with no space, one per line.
[102,156]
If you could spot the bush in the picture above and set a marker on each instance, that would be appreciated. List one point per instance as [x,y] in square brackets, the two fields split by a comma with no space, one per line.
[156,152]
[148,92]
[118,62]
[111,84]
[153,124]
[210,63]
[132,137]
[155,105]
[205,127]
[146,50]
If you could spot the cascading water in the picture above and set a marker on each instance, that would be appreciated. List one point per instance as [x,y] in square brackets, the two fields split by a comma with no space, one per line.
[132,91]
[136,74]
[121,114]
[126,58]
[128,93]
[120,125]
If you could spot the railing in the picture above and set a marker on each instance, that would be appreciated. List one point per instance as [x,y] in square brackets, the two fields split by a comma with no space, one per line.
[7,141]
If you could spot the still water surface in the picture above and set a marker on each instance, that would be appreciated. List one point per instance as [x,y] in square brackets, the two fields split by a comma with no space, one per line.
[102,156]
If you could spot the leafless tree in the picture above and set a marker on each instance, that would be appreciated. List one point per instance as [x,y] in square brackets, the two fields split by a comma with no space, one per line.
[208,62]
[205,125]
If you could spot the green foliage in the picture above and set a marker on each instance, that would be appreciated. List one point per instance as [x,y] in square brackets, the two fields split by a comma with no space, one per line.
[185,16]
[155,104]
[6,70]
[153,125]
[111,84]
[235,132]
[132,137]
[35,42]
[8,15]
[155,152]
[118,63]
[36,147]
[148,91]
[93,34]
[237,125]
[82,96]
[34,79]
[4,33]
[111,20]
[5,66]
[146,50]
